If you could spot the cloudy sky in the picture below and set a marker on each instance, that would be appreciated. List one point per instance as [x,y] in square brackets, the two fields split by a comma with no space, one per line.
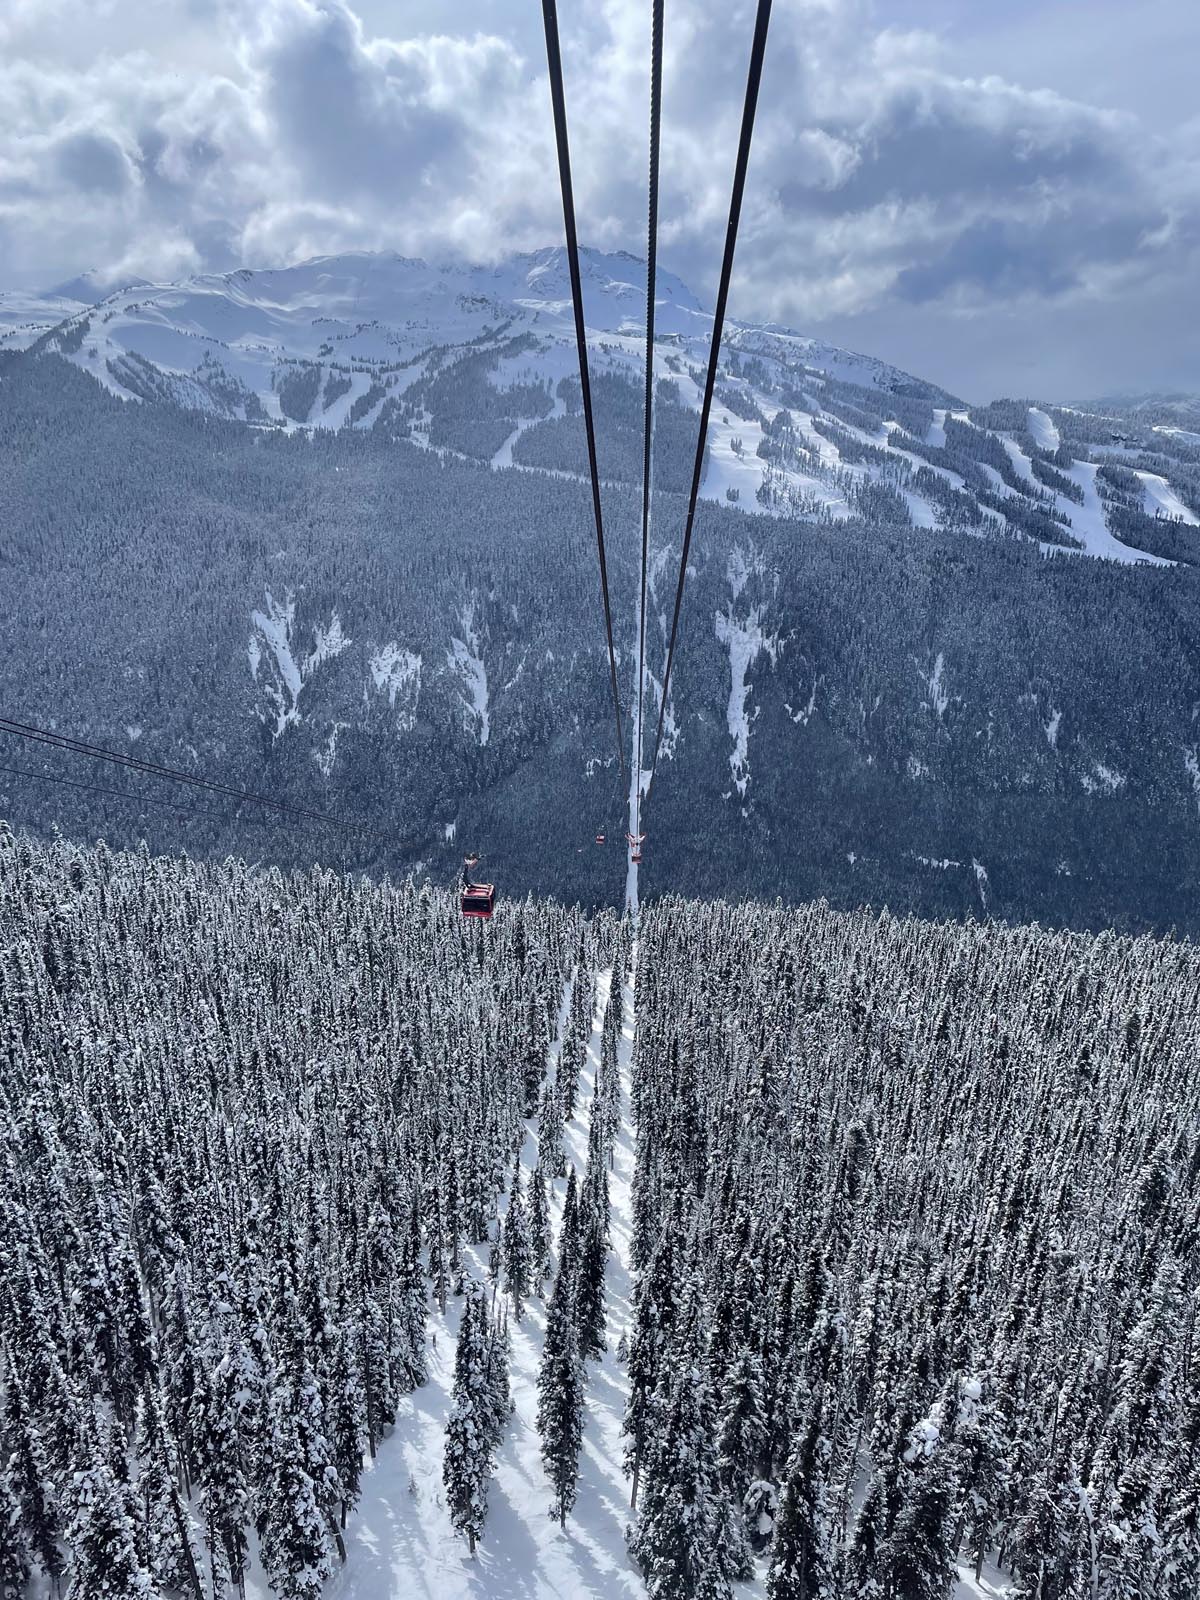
[1005,199]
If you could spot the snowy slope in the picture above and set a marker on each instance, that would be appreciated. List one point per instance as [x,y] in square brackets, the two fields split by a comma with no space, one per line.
[1088,521]
[380,312]
[1162,501]
[400,1541]
[799,428]
[26,317]
[377,310]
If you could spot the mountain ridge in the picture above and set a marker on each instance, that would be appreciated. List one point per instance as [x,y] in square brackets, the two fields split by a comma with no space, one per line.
[534,281]
[481,360]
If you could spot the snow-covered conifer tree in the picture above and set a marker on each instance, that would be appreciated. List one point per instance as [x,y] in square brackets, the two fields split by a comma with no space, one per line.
[470,1428]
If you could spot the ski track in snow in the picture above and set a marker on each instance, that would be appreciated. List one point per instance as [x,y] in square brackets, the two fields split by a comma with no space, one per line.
[399,1542]
[919,509]
[504,456]
[1088,523]
[991,1585]
[1159,497]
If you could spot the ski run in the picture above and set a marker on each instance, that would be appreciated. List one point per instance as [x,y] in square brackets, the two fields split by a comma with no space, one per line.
[400,1541]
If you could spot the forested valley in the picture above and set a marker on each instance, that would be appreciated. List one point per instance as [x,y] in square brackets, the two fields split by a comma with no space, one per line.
[941,720]
[875,1240]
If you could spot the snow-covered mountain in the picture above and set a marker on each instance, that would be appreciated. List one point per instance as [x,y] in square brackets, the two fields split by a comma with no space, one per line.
[401,611]
[368,306]
[25,318]
[376,309]
[480,360]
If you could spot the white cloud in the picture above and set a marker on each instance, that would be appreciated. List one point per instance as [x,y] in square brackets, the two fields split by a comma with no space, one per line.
[212,132]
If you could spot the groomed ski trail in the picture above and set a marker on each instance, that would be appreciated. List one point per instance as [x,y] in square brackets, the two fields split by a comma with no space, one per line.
[399,1542]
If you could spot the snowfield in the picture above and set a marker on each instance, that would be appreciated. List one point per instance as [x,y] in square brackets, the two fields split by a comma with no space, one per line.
[1161,500]
[270,347]
[24,318]
[1043,429]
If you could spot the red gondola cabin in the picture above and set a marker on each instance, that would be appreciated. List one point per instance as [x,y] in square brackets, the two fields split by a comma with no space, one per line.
[478,899]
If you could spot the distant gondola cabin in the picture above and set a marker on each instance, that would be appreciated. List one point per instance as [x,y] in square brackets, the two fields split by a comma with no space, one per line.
[478,899]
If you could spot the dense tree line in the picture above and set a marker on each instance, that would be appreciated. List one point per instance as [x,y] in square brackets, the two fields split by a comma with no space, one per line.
[559,444]
[913,411]
[248,1126]
[916,1224]
[916,1214]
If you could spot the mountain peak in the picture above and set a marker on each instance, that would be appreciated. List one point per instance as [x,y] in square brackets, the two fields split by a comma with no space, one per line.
[93,286]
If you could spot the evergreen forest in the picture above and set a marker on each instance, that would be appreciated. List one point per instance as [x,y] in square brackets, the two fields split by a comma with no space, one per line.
[877,1237]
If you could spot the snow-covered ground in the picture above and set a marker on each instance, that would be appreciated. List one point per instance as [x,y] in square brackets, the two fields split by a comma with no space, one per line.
[919,509]
[1088,524]
[400,1544]
[935,682]
[504,456]
[1042,427]
[1161,500]
[745,639]
[1022,465]
[733,463]
[25,317]
[397,672]
[466,659]
[555,371]
[273,641]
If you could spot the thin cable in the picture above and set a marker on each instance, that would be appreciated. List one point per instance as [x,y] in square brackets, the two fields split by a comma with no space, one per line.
[656,49]
[754,78]
[558,101]
[119,794]
[60,741]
